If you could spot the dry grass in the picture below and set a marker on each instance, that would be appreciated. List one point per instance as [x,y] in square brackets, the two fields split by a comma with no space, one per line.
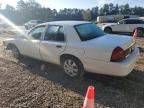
[23,84]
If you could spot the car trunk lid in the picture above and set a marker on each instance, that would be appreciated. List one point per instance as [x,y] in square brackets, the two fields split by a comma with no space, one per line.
[101,48]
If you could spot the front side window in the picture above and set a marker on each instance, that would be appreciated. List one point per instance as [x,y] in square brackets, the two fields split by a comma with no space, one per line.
[54,33]
[36,33]
[88,31]
[121,22]
[130,21]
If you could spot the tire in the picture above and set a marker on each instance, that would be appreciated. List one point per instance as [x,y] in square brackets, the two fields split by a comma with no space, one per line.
[16,52]
[72,67]
[108,30]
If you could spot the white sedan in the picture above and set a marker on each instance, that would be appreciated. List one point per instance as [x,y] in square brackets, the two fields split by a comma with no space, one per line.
[125,26]
[77,46]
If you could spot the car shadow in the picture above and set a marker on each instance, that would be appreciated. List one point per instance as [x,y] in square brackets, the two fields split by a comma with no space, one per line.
[110,91]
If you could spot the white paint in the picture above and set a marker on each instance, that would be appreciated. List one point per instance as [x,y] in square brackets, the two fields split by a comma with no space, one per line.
[94,54]
[128,28]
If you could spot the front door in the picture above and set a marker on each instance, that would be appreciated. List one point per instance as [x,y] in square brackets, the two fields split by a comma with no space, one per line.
[53,44]
[32,41]
[121,27]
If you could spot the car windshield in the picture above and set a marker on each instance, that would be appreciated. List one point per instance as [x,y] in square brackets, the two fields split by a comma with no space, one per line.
[39,21]
[33,21]
[88,31]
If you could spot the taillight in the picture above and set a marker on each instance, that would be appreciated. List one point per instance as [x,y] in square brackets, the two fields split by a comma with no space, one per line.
[118,54]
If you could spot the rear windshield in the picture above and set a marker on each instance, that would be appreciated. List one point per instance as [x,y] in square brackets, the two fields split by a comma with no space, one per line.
[40,21]
[88,31]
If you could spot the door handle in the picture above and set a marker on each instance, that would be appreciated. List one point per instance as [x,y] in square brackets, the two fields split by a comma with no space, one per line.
[58,46]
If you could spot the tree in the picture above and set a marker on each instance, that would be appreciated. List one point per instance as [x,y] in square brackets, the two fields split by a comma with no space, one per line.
[95,12]
[106,9]
[30,9]
[138,11]
[116,10]
[21,5]
[9,8]
[111,9]
[125,9]
[87,15]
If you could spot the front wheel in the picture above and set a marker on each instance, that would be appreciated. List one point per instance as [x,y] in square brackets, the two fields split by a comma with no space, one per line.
[72,67]
[108,30]
[16,52]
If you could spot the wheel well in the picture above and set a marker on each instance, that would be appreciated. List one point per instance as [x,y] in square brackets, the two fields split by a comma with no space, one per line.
[10,45]
[108,28]
[62,57]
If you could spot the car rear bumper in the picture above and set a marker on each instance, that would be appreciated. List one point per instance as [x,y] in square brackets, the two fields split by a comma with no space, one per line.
[113,68]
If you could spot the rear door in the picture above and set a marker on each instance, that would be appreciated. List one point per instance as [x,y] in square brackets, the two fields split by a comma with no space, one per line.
[53,44]
[121,27]
[132,23]
[140,23]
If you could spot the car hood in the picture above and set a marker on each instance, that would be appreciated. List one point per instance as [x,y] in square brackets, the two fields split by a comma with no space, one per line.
[102,47]
[101,25]
[108,25]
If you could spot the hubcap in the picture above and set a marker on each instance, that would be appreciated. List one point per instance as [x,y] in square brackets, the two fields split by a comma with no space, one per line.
[71,68]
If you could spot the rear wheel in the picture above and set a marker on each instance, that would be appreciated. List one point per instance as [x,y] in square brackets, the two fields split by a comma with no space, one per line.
[108,30]
[72,67]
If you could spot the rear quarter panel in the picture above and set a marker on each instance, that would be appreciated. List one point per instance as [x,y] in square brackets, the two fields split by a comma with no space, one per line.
[97,51]
[73,43]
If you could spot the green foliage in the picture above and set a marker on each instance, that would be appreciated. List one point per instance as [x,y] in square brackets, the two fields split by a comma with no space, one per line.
[30,9]
[87,15]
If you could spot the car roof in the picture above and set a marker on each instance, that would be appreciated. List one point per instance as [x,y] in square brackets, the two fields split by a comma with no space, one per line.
[69,23]
[132,19]
[36,20]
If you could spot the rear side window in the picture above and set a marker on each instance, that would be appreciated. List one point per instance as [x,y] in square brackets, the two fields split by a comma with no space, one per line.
[129,21]
[54,33]
[134,22]
[88,31]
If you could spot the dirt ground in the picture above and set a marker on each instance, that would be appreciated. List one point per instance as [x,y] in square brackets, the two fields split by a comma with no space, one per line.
[24,85]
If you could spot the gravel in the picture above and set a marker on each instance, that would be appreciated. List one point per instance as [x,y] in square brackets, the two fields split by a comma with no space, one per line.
[24,85]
